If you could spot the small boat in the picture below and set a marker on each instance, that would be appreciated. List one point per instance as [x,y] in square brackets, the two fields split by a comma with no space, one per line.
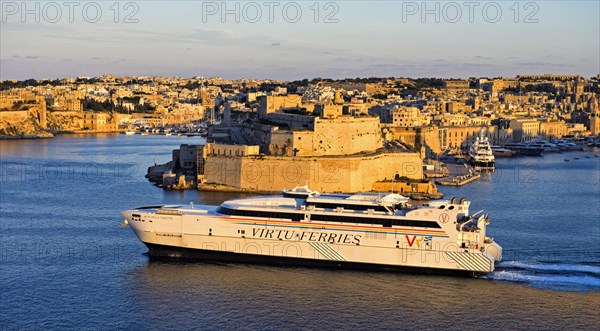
[587,157]
[129,132]
[566,160]
[576,158]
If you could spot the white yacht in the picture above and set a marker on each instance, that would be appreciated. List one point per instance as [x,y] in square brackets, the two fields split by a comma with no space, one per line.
[546,146]
[565,145]
[480,153]
[306,228]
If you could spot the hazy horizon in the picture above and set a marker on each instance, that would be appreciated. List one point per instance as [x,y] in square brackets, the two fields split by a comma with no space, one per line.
[282,80]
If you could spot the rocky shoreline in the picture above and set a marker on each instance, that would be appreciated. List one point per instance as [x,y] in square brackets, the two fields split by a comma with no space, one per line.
[41,135]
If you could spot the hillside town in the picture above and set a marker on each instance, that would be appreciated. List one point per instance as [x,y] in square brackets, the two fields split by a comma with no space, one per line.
[336,135]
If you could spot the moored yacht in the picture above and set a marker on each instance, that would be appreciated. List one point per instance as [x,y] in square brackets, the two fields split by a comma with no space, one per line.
[565,145]
[544,145]
[480,153]
[522,149]
[499,151]
[306,228]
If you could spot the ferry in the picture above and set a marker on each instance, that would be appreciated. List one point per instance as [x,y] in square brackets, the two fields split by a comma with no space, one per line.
[302,227]
[480,153]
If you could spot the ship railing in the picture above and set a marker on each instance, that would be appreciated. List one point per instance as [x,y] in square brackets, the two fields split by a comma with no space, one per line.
[169,211]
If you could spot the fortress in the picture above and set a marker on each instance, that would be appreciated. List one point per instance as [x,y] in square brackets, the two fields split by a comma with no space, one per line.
[243,168]
[318,145]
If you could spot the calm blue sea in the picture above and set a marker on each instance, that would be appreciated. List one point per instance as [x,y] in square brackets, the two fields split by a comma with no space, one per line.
[67,264]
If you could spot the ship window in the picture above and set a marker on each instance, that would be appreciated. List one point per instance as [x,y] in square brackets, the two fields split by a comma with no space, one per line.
[345,206]
[388,222]
[258,213]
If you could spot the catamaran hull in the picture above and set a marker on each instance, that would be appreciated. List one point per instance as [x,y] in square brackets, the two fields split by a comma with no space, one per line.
[416,259]
[438,237]
[162,252]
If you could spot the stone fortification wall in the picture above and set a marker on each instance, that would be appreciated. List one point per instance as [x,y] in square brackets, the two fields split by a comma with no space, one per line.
[326,174]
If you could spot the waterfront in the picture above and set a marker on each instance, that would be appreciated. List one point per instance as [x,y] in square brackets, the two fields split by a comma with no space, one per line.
[67,264]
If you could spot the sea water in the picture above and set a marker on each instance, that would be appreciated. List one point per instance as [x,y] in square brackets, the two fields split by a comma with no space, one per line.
[66,263]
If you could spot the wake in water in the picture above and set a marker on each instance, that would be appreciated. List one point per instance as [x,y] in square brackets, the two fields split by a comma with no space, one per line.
[563,276]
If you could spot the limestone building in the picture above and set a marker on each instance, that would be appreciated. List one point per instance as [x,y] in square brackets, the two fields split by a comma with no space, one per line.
[408,117]
[524,129]
[272,103]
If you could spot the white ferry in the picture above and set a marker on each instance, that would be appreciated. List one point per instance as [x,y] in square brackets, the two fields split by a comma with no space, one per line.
[305,228]
[481,154]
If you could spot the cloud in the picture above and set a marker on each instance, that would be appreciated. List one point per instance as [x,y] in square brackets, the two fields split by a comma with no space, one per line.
[276,44]
[213,35]
[32,57]
[481,57]
[541,64]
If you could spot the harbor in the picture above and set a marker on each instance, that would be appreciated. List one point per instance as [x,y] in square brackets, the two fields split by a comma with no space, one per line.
[349,165]
[552,265]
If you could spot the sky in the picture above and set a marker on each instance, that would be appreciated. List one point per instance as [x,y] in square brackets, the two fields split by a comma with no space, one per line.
[291,40]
